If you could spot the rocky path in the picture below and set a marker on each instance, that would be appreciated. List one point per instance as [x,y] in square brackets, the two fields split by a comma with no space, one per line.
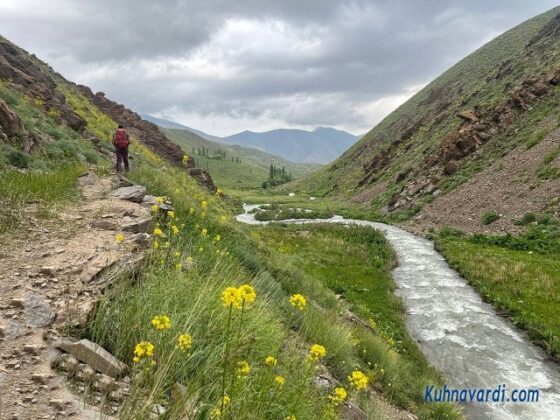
[50,274]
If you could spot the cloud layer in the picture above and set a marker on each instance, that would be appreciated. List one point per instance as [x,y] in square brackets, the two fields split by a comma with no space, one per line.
[259,64]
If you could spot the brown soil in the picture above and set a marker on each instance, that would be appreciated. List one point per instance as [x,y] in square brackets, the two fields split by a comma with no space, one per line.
[509,187]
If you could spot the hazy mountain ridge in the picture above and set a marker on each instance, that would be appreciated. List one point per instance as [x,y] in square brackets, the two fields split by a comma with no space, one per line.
[322,145]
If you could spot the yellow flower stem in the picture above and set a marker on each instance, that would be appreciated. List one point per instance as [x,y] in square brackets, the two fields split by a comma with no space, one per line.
[238,333]
[226,357]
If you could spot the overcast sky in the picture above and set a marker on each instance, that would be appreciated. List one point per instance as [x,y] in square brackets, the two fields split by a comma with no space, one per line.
[227,66]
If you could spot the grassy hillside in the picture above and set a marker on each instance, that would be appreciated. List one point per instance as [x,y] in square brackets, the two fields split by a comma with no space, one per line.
[240,167]
[405,162]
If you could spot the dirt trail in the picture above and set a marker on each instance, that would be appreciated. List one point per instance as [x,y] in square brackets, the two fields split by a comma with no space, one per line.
[48,281]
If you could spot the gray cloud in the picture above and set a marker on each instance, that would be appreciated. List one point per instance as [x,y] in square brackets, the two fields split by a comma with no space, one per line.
[259,64]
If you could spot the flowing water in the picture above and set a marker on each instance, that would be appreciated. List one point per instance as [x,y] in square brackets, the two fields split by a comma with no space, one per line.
[460,335]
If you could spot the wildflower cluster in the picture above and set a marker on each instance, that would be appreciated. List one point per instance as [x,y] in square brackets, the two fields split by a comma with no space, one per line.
[358,380]
[271,361]
[298,301]
[243,369]
[144,349]
[280,380]
[338,396]
[119,238]
[184,342]
[237,297]
[316,352]
[161,322]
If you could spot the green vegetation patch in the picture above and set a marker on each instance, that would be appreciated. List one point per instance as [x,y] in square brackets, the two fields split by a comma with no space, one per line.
[518,275]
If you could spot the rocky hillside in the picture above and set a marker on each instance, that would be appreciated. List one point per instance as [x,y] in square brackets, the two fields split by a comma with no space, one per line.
[481,138]
[38,90]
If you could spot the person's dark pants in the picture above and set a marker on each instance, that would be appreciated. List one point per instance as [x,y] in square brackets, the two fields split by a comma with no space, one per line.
[122,157]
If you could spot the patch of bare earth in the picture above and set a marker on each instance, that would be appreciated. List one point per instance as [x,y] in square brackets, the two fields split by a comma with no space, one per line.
[509,187]
[49,280]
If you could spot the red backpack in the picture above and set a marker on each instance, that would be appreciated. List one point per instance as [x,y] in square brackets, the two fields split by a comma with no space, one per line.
[121,140]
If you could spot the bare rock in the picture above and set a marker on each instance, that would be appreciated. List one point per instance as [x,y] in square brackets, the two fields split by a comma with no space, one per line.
[9,120]
[104,224]
[88,178]
[136,225]
[37,311]
[11,329]
[94,355]
[468,116]
[134,193]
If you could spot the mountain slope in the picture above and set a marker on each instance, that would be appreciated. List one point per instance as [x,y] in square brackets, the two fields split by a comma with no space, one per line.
[321,145]
[501,99]
[233,166]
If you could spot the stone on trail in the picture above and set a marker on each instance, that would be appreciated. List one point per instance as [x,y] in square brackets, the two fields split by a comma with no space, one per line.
[94,355]
[135,193]
[88,178]
[136,225]
[37,311]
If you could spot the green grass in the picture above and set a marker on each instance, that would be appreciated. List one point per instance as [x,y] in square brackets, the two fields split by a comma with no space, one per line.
[291,213]
[490,217]
[46,190]
[523,283]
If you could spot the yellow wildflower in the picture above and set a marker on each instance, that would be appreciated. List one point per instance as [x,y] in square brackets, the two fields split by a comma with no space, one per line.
[316,352]
[204,233]
[358,380]
[200,249]
[143,349]
[190,260]
[223,219]
[158,232]
[217,238]
[291,417]
[231,296]
[247,294]
[219,192]
[155,244]
[191,210]
[160,200]
[161,322]
[154,208]
[243,368]
[171,214]
[119,237]
[177,254]
[298,301]
[166,244]
[338,396]
[271,361]
[184,342]
[204,205]
[203,214]
[174,229]
[185,159]
[216,413]
[178,266]
[280,380]
[226,400]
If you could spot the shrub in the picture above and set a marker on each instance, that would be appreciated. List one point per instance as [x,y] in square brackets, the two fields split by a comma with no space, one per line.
[490,217]
[527,218]
[18,159]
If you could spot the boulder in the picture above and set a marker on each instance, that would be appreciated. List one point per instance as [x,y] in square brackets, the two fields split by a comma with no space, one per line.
[94,355]
[468,116]
[451,167]
[9,120]
[37,311]
[135,225]
[134,193]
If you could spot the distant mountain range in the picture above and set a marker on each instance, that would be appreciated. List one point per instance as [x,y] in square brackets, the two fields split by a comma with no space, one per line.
[321,145]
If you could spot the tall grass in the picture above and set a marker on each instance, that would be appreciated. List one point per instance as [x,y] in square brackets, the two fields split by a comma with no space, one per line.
[45,189]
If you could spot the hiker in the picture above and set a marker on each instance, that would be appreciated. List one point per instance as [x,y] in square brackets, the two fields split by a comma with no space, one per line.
[121,141]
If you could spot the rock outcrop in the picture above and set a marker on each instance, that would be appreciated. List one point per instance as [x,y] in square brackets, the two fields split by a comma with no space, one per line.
[10,123]
[23,70]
